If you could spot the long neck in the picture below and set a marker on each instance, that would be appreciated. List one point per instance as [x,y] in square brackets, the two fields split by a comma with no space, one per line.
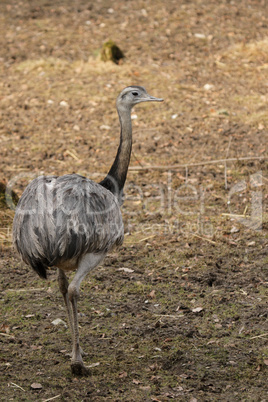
[115,179]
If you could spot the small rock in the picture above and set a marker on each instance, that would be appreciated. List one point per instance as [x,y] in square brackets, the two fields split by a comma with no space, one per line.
[134,117]
[251,243]
[208,87]
[59,321]
[36,385]
[50,102]
[76,127]
[144,12]
[234,230]
[200,36]
[197,309]
[94,365]
[126,270]
[105,127]
[174,116]
[64,104]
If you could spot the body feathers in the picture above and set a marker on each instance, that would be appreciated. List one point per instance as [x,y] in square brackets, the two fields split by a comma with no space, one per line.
[60,219]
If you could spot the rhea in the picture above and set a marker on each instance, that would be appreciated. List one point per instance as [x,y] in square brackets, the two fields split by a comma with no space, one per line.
[71,222]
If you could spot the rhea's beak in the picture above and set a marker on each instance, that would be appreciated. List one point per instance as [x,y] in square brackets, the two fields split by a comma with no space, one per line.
[149,98]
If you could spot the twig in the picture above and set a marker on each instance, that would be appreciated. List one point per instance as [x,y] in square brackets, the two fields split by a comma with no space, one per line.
[15,385]
[225,165]
[25,290]
[259,336]
[7,335]
[204,238]
[50,399]
[169,316]
[72,154]
[158,167]
[146,238]
[236,215]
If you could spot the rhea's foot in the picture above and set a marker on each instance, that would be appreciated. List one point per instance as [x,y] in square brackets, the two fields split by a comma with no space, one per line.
[79,369]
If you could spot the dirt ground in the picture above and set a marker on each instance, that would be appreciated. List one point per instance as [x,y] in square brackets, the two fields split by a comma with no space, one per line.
[179,312]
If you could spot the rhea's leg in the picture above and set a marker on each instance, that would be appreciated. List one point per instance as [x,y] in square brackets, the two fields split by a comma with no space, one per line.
[87,263]
[63,286]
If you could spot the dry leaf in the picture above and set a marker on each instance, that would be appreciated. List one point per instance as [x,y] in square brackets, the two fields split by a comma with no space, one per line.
[152,294]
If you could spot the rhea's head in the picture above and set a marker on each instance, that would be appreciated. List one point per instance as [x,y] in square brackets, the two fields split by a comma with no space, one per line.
[131,96]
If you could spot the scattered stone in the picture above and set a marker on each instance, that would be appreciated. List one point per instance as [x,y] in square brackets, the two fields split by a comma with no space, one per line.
[36,385]
[251,243]
[200,36]
[197,309]
[59,321]
[64,104]
[93,365]
[208,87]
[105,127]
[234,230]
[128,270]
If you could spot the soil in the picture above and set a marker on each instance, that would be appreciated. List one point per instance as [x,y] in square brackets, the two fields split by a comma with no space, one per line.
[179,312]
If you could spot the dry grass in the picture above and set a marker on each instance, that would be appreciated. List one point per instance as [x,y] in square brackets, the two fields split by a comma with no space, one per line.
[251,52]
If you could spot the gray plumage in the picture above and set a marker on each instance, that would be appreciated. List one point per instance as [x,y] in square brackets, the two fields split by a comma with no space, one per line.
[60,219]
[71,222]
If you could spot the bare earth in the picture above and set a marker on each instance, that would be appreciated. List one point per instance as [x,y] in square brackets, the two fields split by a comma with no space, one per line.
[179,312]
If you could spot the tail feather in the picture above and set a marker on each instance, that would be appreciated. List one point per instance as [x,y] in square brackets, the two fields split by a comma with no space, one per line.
[40,269]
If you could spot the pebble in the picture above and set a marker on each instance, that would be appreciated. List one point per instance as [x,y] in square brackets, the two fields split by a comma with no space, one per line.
[64,104]
[59,321]
[200,36]
[208,87]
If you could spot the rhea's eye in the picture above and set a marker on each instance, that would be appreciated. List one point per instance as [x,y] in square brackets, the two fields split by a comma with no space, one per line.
[135,93]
